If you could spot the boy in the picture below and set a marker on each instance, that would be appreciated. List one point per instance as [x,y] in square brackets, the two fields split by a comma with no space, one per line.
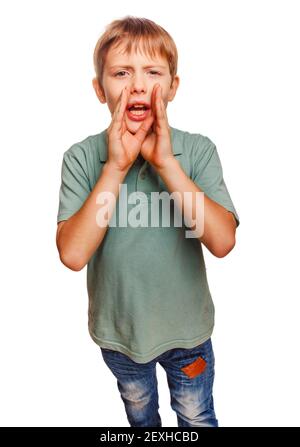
[149,299]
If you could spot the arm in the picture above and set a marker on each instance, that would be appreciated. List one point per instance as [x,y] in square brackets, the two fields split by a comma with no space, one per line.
[219,223]
[80,235]
[214,224]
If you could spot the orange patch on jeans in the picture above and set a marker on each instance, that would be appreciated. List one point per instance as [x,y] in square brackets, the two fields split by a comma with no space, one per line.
[195,368]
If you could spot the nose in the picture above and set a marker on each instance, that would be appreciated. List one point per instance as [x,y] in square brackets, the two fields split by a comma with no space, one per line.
[138,84]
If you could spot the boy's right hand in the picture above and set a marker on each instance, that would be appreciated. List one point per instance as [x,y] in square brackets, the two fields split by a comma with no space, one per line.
[123,146]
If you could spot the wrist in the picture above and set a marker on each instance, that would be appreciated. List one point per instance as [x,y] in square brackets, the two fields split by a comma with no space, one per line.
[113,168]
[169,165]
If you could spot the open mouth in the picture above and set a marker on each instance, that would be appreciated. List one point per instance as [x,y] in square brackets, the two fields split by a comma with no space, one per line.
[138,112]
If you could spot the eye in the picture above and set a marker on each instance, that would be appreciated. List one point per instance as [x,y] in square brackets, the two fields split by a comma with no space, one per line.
[120,76]
[119,73]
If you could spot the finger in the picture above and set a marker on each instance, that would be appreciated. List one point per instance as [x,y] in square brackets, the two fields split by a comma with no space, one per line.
[123,103]
[114,127]
[163,109]
[124,127]
[152,105]
[114,114]
[158,108]
[163,117]
[120,109]
[119,103]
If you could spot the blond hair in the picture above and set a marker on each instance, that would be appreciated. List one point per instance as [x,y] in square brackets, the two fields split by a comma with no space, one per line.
[153,37]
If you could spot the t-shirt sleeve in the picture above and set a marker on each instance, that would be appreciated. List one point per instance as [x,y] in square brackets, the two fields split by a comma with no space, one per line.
[208,175]
[75,186]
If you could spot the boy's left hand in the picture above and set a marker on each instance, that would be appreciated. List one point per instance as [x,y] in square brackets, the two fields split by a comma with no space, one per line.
[157,146]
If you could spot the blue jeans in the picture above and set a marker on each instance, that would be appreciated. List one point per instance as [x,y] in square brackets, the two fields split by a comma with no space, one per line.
[190,376]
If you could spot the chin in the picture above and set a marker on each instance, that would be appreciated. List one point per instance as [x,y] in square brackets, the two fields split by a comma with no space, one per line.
[133,127]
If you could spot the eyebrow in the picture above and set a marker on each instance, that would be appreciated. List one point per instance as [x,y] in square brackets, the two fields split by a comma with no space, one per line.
[145,66]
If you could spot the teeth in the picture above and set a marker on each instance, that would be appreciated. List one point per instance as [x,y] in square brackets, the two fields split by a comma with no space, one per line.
[137,112]
[138,107]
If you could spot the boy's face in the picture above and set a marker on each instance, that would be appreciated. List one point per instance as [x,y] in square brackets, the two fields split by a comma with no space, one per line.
[130,70]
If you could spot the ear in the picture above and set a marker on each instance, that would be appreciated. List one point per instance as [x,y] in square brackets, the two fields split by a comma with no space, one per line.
[99,90]
[174,87]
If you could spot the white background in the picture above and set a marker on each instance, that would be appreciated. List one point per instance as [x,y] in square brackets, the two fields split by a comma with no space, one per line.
[239,71]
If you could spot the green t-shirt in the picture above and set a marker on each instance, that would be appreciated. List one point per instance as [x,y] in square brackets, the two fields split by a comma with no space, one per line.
[147,285]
